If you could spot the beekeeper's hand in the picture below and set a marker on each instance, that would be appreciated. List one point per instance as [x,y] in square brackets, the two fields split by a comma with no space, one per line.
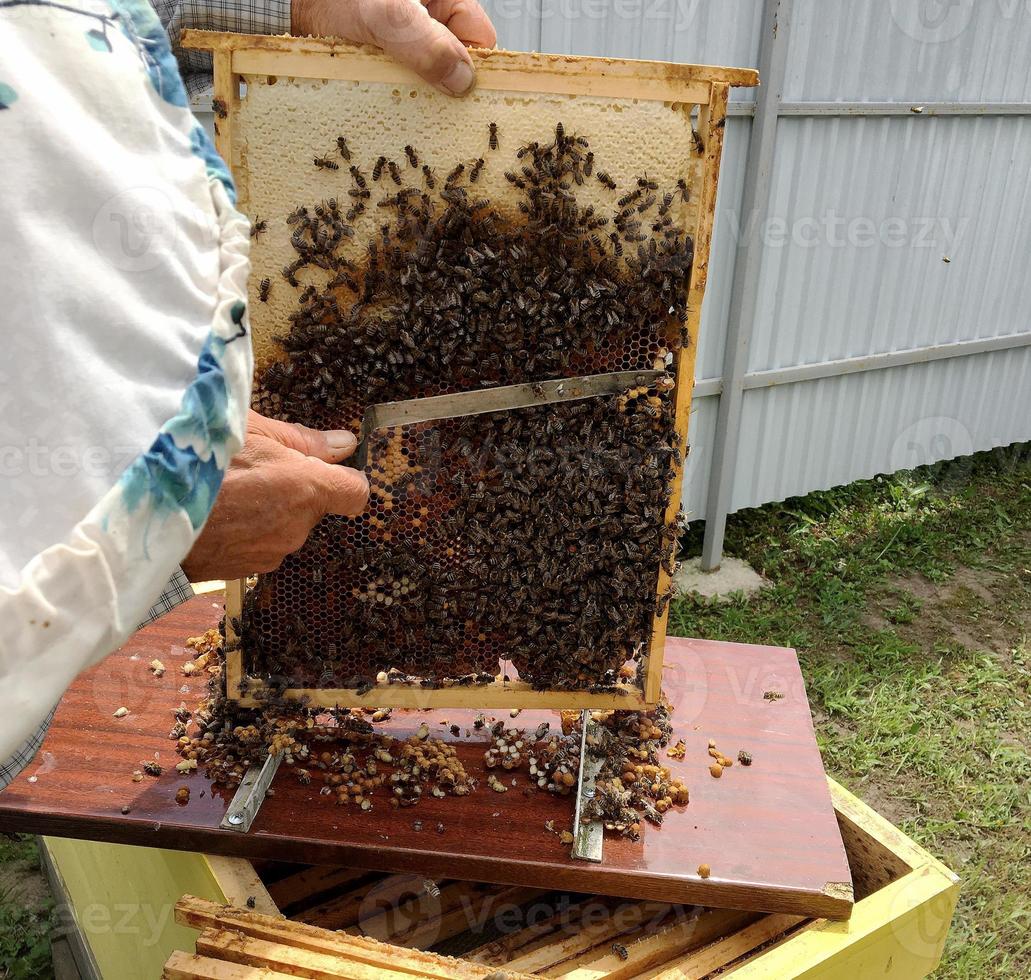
[429,36]
[277,488]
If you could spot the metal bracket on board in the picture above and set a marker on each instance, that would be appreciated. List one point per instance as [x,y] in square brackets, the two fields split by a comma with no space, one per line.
[587,837]
[250,794]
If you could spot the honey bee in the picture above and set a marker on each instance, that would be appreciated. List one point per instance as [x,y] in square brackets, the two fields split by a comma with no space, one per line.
[260,225]
[264,288]
[395,174]
[413,157]
[493,135]
[605,179]
[323,163]
[474,173]
[431,180]
[342,146]
[377,170]
[621,951]
[682,188]
[358,177]
[219,107]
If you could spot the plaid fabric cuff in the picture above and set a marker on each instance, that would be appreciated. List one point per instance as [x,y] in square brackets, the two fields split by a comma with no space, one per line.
[177,590]
[240,16]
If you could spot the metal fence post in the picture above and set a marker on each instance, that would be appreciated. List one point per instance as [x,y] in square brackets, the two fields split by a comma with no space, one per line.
[745,287]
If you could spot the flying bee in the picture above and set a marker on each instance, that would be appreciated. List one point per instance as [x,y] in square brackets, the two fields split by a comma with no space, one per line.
[377,170]
[493,137]
[413,157]
[474,174]
[345,152]
[325,164]
[260,225]
[264,288]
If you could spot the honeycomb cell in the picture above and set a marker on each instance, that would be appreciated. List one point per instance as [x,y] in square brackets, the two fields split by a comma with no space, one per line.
[532,538]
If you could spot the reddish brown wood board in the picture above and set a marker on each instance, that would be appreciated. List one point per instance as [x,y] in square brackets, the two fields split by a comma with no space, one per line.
[767,831]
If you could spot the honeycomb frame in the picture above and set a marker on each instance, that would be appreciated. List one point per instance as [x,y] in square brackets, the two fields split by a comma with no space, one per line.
[699,92]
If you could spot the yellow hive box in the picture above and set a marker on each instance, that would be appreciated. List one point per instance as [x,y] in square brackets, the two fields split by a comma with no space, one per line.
[122,899]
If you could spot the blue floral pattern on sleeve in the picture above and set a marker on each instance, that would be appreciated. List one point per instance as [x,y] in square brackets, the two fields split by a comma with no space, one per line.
[95,581]
[141,23]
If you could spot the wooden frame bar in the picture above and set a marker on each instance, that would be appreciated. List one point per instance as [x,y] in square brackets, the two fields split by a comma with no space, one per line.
[682,87]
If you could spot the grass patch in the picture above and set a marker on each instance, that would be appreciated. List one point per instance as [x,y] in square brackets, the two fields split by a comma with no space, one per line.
[25,916]
[908,599]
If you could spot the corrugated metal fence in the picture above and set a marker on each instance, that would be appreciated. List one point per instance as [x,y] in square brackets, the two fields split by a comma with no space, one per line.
[869,299]
[869,303]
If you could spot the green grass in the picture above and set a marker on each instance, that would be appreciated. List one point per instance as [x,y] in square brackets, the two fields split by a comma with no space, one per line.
[908,599]
[25,926]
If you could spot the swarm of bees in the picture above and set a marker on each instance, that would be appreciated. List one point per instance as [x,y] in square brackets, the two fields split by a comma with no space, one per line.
[533,536]
[340,751]
[632,784]
[352,763]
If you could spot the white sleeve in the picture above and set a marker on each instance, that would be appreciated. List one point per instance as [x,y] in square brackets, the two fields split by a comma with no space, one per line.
[126,369]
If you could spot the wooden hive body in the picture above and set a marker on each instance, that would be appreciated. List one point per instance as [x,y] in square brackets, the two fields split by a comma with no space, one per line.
[905,902]
[664,121]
